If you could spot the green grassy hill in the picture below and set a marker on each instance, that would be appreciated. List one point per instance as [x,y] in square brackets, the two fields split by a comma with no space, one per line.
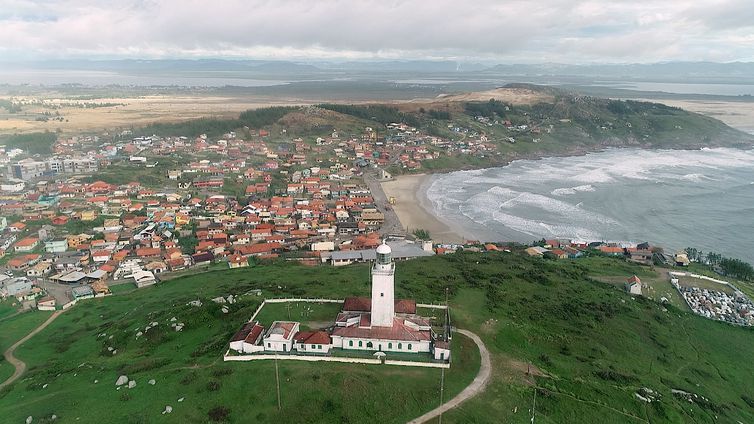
[591,348]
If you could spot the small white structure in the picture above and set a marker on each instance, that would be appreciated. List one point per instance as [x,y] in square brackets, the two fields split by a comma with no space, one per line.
[323,246]
[143,278]
[633,286]
[441,350]
[279,337]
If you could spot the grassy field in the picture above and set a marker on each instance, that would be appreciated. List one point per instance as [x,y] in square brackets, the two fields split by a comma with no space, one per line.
[13,329]
[656,280]
[589,345]
[73,353]
[7,309]
[312,316]
[687,281]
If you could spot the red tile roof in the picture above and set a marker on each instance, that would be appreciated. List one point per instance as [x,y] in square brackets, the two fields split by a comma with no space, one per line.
[243,332]
[312,337]
[399,331]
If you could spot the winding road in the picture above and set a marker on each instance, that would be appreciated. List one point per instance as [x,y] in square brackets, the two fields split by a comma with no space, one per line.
[19,364]
[477,386]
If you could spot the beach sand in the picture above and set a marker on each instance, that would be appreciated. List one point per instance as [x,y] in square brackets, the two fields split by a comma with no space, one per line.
[408,207]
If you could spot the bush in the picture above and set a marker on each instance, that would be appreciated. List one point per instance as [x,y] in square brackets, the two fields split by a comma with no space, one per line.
[188,378]
[218,414]
[222,372]
[615,376]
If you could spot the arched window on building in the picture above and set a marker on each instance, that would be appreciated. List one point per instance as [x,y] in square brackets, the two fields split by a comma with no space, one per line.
[390,345]
[400,346]
[409,346]
[369,345]
[359,343]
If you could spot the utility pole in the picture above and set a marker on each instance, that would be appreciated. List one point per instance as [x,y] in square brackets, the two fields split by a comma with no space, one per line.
[534,405]
[447,314]
[442,389]
[277,381]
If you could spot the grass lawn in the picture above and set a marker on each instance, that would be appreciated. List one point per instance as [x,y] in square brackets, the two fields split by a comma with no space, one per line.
[590,346]
[122,288]
[687,281]
[6,308]
[14,329]
[745,286]
[312,316]
[657,287]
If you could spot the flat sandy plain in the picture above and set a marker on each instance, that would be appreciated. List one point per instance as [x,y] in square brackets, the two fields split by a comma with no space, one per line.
[132,111]
[739,115]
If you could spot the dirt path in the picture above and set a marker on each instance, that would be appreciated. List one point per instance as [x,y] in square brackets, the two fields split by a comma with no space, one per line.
[477,386]
[21,365]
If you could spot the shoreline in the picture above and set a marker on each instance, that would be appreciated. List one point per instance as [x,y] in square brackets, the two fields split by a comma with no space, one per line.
[412,214]
[413,210]
[416,211]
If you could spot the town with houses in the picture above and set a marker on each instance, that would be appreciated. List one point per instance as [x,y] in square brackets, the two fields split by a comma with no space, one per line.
[122,209]
[228,201]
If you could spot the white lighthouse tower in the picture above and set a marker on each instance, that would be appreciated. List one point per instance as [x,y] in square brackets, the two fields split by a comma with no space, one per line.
[383,288]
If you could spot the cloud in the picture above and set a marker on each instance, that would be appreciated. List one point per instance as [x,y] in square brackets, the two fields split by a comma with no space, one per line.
[513,30]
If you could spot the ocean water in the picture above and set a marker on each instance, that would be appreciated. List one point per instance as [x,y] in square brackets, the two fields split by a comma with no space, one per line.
[104,78]
[700,198]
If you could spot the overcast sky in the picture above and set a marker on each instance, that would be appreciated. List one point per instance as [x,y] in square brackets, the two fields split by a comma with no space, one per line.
[521,31]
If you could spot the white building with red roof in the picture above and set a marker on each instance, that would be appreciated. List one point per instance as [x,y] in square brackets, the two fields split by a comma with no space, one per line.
[377,324]
[279,337]
[247,339]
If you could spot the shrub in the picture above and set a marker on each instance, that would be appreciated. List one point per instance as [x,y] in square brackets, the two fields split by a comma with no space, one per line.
[218,413]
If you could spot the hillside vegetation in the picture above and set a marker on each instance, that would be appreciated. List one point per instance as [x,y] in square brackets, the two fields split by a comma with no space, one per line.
[34,143]
[591,347]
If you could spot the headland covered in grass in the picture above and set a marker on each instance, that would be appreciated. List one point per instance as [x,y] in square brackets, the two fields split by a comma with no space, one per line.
[588,347]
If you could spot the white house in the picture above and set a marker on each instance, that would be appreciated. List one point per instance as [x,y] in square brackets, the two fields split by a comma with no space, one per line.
[13,186]
[633,285]
[247,339]
[39,270]
[143,278]
[46,303]
[57,245]
[279,337]
[323,246]
[441,350]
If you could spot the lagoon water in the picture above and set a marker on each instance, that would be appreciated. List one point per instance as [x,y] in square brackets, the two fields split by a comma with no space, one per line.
[702,198]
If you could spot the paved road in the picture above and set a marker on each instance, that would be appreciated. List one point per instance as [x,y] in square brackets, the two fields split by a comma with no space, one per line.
[391,225]
[477,386]
[21,365]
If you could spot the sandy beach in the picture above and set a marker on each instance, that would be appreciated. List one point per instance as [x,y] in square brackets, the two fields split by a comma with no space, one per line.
[410,211]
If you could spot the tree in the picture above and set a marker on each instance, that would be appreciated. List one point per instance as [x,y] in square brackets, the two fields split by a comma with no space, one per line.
[422,234]
[737,268]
